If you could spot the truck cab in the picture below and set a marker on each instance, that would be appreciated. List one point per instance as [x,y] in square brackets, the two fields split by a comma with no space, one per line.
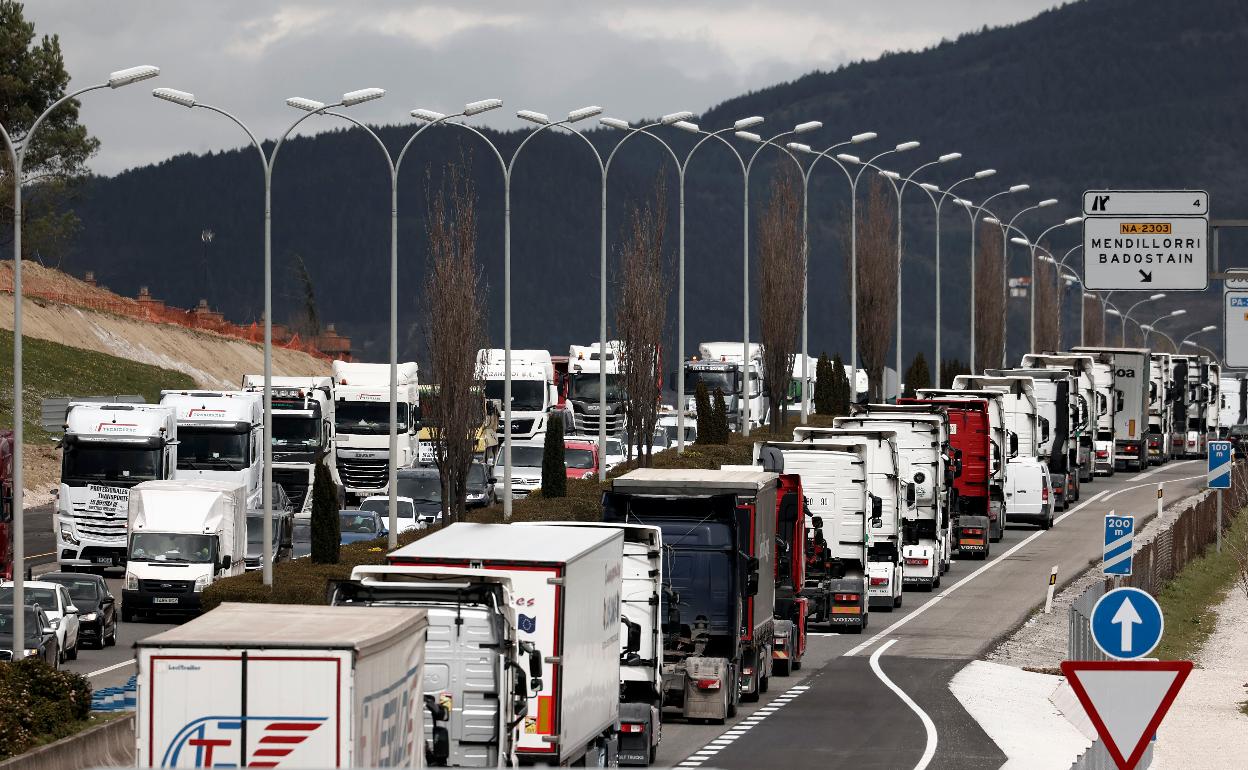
[582,396]
[1160,388]
[533,388]
[1057,404]
[720,366]
[105,451]
[1087,404]
[303,432]
[362,424]
[220,437]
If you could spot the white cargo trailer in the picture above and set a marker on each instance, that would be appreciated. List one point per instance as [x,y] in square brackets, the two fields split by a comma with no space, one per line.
[268,685]
[567,584]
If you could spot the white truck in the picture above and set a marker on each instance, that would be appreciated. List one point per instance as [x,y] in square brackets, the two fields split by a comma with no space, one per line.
[362,424]
[1232,403]
[272,685]
[1160,408]
[923,439]
[1056,396]
[475,664]
[889,481]
[1087,403]
[184,536]
[720,365]
[641,640]
[533,389]
[1130,369]
[582,401]
[220,437]
[105,451]
[303,432]
[567,584]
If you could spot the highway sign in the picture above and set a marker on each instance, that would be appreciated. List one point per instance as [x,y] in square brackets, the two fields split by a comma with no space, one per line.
[1235,327]
[1119,537]
[1126,700]
[1127,623]
[1218,475]
[1146,240]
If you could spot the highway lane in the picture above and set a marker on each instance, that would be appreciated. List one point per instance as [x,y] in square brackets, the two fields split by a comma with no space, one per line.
[857,719]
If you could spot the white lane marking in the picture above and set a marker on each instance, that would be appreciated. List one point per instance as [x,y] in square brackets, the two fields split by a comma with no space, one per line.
[1141,486]
[113,667]
[929,751]
[725,739]
[936,599]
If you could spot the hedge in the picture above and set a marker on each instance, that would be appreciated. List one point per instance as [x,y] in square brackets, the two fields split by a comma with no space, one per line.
[39,704]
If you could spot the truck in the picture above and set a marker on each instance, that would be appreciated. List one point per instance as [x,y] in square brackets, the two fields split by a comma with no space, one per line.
[1058,405]
[1160,408]
[923,438]
[1130,368]
[303,433]
[533,388]
[268,685]
[641,643]
[362,424]
[484,437]
[106,449]
[220,437]
[475,664]
[1087,404]
[1183,396]
[1233,403]
[720,366]
[719,532]
[567,584]
[6,504]
[1213,385]
[582,392]
[185,534]
[977,440]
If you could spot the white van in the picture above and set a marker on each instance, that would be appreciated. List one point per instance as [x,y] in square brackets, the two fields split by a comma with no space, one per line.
[1027,495]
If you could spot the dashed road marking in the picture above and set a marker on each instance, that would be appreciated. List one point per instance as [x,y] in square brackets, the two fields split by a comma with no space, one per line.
[724,739]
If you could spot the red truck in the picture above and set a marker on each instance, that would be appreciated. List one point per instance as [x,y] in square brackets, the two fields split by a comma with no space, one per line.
[790,568]
[6,504]
[980,498]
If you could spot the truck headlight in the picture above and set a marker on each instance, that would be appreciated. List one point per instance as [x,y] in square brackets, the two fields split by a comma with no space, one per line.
[202,582]
[132,582]
[67,533]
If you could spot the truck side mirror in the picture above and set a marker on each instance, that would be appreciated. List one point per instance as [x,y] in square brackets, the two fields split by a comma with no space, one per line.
[535,664]
[226,562]
[1044,429]
[909,495]
[817,522]
[752,564]
[877,508]
[1013,444]
[437,711]
[633,637]
[1118,401]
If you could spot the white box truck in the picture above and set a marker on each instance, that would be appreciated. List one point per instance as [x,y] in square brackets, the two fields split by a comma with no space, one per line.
[1086,403]
[721,365]
[1131,369]
[274,685]
[184,535]
[567,583]
[105,451]
[362,424]
[220,437]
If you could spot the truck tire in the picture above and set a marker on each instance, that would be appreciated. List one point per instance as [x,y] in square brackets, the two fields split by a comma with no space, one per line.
[797,664]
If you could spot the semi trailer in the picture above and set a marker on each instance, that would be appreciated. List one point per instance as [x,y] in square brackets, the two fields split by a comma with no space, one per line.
[1130,369]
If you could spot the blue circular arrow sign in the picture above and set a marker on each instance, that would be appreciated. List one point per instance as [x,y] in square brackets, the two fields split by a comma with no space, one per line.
[1127,623]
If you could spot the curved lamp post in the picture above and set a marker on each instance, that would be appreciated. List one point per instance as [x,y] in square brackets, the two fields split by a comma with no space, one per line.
[974,211]
[1127,315]
[1032,245]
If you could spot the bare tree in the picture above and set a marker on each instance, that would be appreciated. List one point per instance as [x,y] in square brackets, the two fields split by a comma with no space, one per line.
[1093,322]
[455,305]
[1048,306]
[306,319]
[640,317]
[877,280]
[989,301]
[783,270]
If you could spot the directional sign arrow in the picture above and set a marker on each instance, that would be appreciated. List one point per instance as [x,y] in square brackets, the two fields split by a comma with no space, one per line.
[1126,618]
[1146,277]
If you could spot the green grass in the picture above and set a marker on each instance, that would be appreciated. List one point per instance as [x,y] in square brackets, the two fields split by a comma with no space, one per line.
[1190,600]
[51,369]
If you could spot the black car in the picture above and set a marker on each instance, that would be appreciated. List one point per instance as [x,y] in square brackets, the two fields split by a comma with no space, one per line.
[480,486]
[40,636]
[1238,436]
[424,486]
[97,607]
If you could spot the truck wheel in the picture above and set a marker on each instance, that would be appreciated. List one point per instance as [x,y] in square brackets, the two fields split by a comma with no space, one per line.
[797,664]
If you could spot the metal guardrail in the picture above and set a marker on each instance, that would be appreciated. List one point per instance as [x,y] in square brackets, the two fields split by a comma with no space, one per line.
[1079,644]
[52,410]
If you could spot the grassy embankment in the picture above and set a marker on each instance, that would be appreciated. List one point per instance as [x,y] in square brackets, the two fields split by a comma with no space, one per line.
[1189,602]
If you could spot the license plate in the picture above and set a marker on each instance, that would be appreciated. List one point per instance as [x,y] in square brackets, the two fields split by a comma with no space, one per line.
[164,600]
[103,560]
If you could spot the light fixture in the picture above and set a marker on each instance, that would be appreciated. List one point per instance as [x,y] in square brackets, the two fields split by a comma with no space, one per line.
[685,125]
[1209,328]
[1073,221]
[1047,202]
[864,137]
[798,147]
[992,220]
[948,157]
[929,187]
[809,125]
[848,158]
[352,98]
[175,96]
[749,122]
[534,117]
[985,173]
[582,113]
[890,174]
[1178,312]
[675,117]
[1160,295]
[307,105]
[1020,241]
[1020,188]
[615,123]
[905,146]
[963,202]
[428,116]
[1112,311]
[1146,327]
[749,136]
[132,75]
[484,105]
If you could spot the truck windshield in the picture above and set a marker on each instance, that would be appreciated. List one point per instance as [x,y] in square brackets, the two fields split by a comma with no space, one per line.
[584,387]
[367,418]
[526,457]
[578,458]
[526,395]
[84,463]
[212,449]
[726,381]
[172,547]
[295,431]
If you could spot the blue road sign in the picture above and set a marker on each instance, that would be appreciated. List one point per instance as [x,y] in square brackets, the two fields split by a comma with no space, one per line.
[1127,623]
[1119,537]
[1219,472]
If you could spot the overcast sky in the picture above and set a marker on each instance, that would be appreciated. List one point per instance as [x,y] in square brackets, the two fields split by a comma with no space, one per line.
[641,58]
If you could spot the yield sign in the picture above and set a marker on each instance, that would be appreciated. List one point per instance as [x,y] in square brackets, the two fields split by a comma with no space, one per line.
[1126,700]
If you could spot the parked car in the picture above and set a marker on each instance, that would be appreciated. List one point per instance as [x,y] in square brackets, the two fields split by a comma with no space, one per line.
[616,454]
[283,545]
[97,607]
[480,486]
[302,539]
[580,458]
[357,525]
[1238,436]
[40,635]
[1103,458]
[405,513]
[423,486]
[54,600]
[526,468]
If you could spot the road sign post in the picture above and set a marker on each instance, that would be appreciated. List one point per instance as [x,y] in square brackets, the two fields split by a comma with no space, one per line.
[1146,240]
[1218,476]
[1119,544]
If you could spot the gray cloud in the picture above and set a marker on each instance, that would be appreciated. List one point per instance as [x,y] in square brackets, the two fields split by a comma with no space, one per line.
[643,58]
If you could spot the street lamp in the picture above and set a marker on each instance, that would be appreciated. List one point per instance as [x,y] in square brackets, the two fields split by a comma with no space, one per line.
[1151,327]
[16,151]
[1005,262]
[1032,246]
[1212,355]
[1130,310]
[974,211]
[310,107]
[1204,330]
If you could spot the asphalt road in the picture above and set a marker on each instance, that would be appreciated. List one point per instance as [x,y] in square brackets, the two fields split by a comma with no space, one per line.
[838,712]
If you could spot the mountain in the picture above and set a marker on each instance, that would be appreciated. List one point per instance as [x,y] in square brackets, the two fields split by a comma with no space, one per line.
[1121,94]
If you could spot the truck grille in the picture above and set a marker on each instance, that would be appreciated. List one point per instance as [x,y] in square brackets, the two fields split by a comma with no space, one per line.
[166,587]
[295,482]
[518,427]
[364,474]
[98,526]
[588,423]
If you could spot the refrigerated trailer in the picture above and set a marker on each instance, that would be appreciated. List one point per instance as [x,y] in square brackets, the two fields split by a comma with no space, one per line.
[567,583]
[268,685]
[1130,369]
[1087,403]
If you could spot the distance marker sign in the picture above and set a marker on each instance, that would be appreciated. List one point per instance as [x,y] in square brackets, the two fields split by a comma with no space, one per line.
[1146,240]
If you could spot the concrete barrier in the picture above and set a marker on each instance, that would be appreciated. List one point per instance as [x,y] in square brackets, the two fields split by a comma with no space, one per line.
[106,745]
